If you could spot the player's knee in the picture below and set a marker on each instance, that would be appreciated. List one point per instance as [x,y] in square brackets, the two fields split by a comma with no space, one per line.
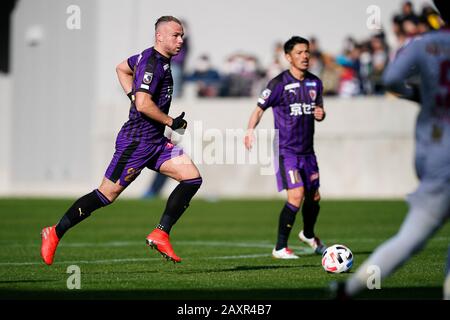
[110,193]
[191,173]
[295,198]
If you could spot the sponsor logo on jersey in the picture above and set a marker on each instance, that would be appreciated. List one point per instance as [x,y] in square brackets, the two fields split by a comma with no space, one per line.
[298,109]
[148,76]
[310,84]
[131,174]
[165,67]
[292,86]
[314,176]
[265,94]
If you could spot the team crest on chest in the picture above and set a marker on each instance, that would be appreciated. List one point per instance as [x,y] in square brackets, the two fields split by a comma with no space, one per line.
[313,94]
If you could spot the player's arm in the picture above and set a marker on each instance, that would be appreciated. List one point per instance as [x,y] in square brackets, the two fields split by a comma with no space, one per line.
[319,111]
[398,74]
[252,123]
[145,105]
[148,77]
[125,76]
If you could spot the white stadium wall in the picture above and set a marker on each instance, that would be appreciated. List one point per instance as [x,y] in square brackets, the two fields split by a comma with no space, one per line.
[67,107]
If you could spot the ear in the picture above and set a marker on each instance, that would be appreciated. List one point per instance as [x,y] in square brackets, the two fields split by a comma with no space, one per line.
[158,37]
[288,57]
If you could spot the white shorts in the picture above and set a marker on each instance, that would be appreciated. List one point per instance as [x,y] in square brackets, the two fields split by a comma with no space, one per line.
[431,198]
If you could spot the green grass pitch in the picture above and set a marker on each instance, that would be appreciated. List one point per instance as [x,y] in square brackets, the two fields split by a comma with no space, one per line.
[225,246]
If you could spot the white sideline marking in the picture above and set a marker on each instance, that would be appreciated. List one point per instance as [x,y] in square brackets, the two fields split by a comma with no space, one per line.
[251,244]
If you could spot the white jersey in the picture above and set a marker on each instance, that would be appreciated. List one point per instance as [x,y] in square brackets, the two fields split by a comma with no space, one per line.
[427,57]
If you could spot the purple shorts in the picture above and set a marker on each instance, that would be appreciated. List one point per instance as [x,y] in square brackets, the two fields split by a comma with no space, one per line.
[132,156]
[298,171]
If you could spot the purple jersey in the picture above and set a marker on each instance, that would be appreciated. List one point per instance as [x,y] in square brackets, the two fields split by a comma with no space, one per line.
[151,74]
[293,102]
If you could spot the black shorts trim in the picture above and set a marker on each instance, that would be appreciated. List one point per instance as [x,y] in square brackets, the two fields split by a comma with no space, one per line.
[283,172]
[123,160]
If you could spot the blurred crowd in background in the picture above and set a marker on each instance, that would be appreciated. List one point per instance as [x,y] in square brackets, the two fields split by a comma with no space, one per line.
[356,71]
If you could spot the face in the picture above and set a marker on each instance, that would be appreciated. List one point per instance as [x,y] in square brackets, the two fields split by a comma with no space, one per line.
[299,56]
[169,37]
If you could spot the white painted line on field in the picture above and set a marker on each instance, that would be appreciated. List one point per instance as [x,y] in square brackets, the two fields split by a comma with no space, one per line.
[104,261]
[255,244]
[249,244]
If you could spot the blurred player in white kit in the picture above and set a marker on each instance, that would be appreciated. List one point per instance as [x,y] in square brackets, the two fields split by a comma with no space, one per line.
[427,58]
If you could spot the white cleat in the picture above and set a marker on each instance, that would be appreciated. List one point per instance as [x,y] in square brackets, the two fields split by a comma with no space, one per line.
[314,243]
[284,253]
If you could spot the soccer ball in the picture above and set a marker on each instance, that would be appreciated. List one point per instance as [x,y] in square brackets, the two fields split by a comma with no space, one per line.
[337,259]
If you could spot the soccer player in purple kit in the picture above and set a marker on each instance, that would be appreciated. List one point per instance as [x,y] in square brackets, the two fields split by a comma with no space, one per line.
[147,80]
[295,96]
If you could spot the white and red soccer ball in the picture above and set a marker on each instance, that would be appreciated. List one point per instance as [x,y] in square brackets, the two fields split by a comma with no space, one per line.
[337,259]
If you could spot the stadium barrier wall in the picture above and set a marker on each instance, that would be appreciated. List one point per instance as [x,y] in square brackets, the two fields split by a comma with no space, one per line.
[364,149]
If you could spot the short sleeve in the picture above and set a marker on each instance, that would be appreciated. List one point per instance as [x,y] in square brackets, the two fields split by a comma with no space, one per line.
[149,73]
[404,65]
[132,61]
[319,99]
[270,96]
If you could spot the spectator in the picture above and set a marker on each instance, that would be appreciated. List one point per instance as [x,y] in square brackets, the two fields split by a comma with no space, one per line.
[365,69]
[316,59]
[207,78]
[408,12]
[242,74]
[348,83]
[379,62]
[330,75]
[279,62]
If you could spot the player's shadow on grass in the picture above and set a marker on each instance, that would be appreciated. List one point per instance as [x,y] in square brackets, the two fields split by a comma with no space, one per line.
[251,268]
[246,268]
[362,252]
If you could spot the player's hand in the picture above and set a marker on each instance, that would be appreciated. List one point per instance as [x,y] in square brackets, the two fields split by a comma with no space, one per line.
[319,113]
[248,139]
[179,124]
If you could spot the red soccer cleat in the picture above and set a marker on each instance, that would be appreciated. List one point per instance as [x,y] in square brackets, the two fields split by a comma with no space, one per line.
[160,241]
[49,243]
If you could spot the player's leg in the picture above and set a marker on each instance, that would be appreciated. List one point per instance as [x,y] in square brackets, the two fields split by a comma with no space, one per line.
[286,221]
[186,173]
[125,166]
[288,179]
[80,210]
[310,210]
[429,208]
[84,206]
[287,216]
[182,169]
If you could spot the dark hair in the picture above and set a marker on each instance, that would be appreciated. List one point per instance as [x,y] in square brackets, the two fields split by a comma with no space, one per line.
[167,19]
[290,44]
[444,9]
